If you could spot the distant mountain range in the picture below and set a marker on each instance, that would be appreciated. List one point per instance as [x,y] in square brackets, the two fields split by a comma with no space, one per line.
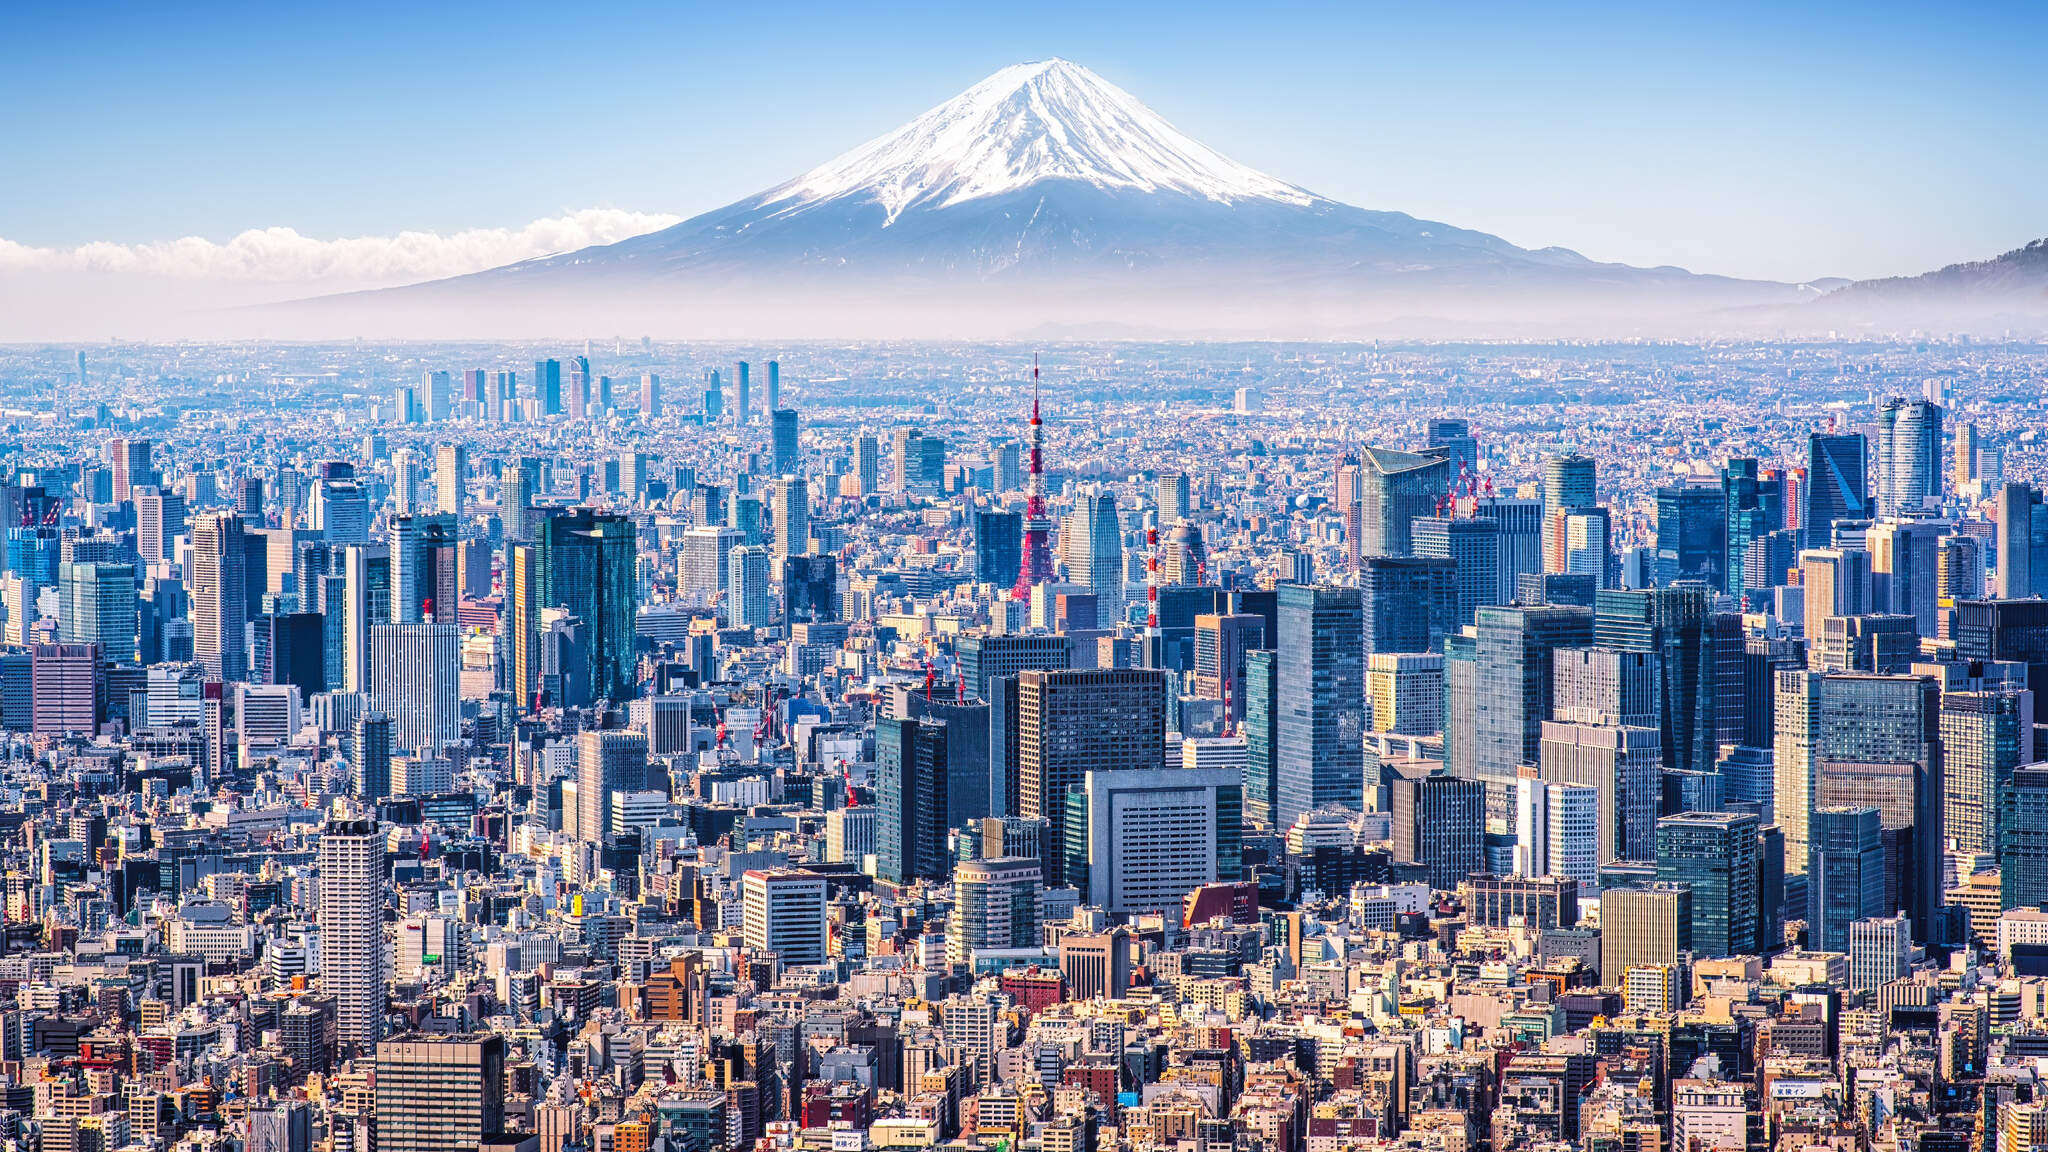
[1045,197]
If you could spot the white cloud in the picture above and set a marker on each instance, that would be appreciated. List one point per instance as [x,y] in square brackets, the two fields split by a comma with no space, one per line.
[282,255]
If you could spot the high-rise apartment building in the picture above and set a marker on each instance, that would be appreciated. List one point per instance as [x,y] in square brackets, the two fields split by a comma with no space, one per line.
[220,601]
[352,953]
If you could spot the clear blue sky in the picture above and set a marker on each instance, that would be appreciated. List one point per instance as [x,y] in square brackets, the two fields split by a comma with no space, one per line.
[1771,140]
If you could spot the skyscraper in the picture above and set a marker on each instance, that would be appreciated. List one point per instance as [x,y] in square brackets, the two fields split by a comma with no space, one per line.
[1511,697]
[1845,874]
[1096,557]
[1643,924]
[1409,603]
[159,519]
[785,452]
[1173,498]
[220,601]
[607,761]
[1717,854]
[1472,543]
[1439,824]
[650,396]
[1394,489]
[1692,535]
[1459,448]
[1985,736]
[1837,485]
[1753,505]
[369,757]
[1621,764]
[1319,758]
[2022,542]
[1262,736]
[783,911]
[1139,840]
[1909,471]
[792,512]
[998,547]
[747,603]
[415,678]
[1071,723]
[352,956]
[1673,623]
[547,386]
[451,474]
[1569,486]
[586,560]
[742,402]
[2023,839]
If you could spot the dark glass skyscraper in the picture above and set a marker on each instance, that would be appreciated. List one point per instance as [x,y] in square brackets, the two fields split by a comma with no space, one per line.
[586,560]
[1472,543]
[1692,535]
[1837,485]
[1845,874]
[1512,660]
[783,442]
[1261,734]
[1320,757]
[1717,854]
[1674,623]
[2023,839]
[1408,603]
[998,547]
[1753,503]
[547,386]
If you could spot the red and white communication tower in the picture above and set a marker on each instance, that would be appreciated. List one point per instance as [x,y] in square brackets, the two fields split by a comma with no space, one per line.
[1037,566]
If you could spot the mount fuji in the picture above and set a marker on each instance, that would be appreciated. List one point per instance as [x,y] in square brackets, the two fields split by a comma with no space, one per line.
[1047,198]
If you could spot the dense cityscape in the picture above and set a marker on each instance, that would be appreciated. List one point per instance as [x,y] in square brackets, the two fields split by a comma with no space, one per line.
[648,747]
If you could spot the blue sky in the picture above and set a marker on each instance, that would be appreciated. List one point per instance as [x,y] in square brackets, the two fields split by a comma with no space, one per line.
[1787,141]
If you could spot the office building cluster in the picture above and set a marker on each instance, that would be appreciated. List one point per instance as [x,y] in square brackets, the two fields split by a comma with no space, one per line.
[1272,748]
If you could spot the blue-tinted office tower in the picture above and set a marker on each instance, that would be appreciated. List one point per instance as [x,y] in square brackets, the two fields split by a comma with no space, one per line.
[998,547]
[1674,623]
[1718,854]
[547,386]
[586,564]
[2023,839]
[1837,485]
[784,442]
[931,776]
[1261,734]
[1845,874]
[1753,503]
[1692,535]
[1408,603]
[1320,691]
[1472,544]
[1511,698]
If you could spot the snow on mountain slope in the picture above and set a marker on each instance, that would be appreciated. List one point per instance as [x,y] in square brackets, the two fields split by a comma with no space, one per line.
[1045,120]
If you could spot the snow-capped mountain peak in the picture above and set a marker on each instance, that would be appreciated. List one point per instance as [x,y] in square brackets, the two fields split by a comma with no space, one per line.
[1045,120]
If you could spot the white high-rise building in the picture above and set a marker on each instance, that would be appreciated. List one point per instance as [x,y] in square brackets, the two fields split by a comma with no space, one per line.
[1880,951]
[451,472]
[792,512]
[1557,829]
[706,553]
[405,482]
[748,605]
[352,960]
[783,911]
[1153,834]
[416,678]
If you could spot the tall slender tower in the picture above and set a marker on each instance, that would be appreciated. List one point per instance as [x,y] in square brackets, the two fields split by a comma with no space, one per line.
[351,855]
[1037,566]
